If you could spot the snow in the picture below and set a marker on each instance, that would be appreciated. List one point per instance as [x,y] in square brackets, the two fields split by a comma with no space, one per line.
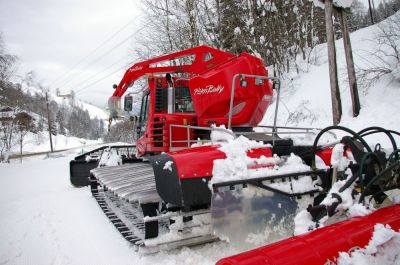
[238,166]
[358,210]
[110,157]
[221,134]
[44,220]
[338,160]
[235,166]
[383,248]
[337,3]
[168,165]
[303,222]
[237,31]
[94,111]
[40,142]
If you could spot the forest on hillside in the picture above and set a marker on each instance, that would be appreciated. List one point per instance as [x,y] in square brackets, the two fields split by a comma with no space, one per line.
[277,31]
[27,107]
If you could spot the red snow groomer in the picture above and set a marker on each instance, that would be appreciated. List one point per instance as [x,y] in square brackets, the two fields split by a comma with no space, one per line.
[179,195]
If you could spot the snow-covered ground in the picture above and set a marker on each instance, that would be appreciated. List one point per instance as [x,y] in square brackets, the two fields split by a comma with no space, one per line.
[44,220]
[35,143]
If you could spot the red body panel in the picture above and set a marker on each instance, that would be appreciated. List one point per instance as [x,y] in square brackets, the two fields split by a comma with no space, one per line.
[211,93]
[323,244]
[198,162]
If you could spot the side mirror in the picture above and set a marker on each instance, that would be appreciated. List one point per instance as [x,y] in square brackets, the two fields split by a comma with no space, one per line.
[115,86]
[276,85]
[128,102]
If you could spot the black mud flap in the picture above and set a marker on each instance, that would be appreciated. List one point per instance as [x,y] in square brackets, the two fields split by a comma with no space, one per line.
[80,166]
[79,171]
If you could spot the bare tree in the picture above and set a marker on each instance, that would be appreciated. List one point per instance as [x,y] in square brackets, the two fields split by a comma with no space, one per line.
[24,124]
[7,62]
[385,59]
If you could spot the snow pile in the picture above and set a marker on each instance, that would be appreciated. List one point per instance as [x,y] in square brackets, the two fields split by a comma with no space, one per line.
[110,157]
[238,166]
[221,134]
[235,166]
[383,248]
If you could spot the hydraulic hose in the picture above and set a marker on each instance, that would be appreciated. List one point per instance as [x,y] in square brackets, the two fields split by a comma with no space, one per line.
[336,127]
[376,129]
[374,179]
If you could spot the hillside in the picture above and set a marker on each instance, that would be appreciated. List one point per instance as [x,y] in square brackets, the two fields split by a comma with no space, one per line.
[73,123]
[305,97]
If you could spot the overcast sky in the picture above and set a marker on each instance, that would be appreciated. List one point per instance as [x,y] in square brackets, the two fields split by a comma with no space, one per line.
[51,36]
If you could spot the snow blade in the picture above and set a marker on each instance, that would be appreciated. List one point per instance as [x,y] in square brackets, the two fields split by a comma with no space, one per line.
[254,212]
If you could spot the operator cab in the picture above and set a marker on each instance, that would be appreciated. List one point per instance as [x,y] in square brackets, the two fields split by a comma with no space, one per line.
[167,101]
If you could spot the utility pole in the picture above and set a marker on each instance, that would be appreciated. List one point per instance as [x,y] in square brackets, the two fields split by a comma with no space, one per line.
[333,74]
[351,72]
[49,121]
[370,12]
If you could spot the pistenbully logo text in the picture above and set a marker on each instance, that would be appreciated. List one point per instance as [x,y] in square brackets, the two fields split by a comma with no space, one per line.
[210,89]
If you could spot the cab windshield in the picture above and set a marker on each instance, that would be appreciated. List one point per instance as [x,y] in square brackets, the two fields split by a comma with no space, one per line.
[144,113]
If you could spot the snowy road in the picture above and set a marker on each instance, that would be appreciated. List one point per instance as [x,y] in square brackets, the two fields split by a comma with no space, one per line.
[44,220]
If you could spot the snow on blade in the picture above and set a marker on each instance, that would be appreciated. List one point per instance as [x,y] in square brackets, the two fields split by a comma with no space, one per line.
[383,248]
[238,166]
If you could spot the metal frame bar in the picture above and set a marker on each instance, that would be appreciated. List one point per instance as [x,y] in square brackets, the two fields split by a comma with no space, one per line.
[188,127]
[258,181]
[233,93]
[230,114]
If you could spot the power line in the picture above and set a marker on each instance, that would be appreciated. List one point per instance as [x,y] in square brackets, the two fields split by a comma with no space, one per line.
[101,57]
[98,73]
[104,77]
[67,73]
[107,52]
[101,79]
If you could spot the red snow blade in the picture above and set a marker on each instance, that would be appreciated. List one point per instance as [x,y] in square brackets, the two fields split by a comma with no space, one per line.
[321,246]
